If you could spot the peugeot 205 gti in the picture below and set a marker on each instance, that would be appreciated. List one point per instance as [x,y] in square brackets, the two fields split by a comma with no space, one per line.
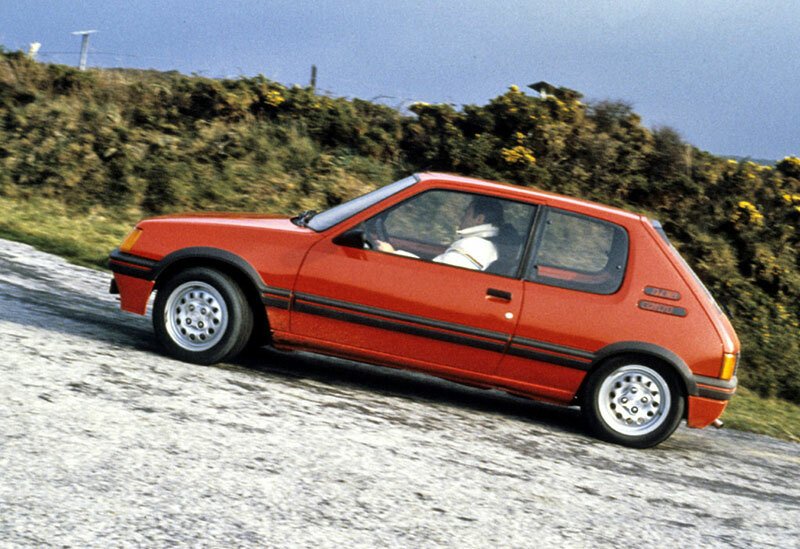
[482,283]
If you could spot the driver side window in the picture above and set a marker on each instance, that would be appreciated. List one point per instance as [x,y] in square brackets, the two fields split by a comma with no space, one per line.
[455,228]
[426,224]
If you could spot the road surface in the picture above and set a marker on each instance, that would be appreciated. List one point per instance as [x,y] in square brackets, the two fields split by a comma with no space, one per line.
[106,442]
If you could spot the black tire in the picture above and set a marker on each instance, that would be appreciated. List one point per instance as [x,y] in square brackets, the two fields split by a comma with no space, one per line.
[217,327]
[633,401]
[260,336]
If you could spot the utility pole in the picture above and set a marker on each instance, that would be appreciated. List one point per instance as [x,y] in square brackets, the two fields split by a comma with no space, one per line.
[313,77]
[84,47]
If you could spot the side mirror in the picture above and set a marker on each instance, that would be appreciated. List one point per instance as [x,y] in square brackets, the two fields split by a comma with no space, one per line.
[354,238]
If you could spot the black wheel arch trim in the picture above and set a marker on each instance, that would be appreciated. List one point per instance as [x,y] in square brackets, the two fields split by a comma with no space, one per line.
[651,349]
[216,254]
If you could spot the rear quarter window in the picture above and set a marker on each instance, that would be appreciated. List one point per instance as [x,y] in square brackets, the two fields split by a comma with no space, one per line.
[580,253]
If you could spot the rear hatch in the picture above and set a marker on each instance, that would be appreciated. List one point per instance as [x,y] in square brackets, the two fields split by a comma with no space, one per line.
[715,313]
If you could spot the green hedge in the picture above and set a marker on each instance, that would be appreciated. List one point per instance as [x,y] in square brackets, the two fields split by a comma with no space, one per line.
[157,142]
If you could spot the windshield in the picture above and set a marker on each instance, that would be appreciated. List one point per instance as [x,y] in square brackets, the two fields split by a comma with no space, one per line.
[660,230]
[346,210]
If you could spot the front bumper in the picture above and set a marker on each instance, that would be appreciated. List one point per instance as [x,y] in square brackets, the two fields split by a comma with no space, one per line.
[132,265]
[134,278]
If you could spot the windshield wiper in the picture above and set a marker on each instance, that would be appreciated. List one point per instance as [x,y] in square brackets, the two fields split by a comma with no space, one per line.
[302,219]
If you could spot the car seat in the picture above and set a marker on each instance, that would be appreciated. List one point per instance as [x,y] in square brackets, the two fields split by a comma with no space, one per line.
[509,250]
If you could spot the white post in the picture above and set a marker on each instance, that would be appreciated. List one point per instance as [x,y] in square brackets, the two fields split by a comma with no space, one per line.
[84,47]
[34,49]
[84,52]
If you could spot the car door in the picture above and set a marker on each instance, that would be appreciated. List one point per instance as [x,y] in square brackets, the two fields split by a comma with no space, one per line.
[404,306]
[571,303]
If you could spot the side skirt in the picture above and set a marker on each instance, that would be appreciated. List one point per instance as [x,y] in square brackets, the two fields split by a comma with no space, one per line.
[286,341]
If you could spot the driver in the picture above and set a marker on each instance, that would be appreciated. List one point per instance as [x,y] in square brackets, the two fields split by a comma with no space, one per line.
[472,250]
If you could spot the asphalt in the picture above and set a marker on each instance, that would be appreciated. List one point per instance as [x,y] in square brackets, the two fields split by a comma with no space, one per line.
[105,442]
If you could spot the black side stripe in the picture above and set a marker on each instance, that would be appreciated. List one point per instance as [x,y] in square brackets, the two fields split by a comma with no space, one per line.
[547,357]
[278,292]
[561,349]
[276,297]
[426,327]
[532,349]
[413,319]
[387,324]
[275,302]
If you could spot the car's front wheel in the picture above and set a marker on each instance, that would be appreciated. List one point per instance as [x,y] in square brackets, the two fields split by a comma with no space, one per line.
[201,315]
[635,402]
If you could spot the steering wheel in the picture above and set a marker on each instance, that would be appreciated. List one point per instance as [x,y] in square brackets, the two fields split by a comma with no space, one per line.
[374,228]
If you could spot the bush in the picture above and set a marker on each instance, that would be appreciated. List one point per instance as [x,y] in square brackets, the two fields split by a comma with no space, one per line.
[147,142]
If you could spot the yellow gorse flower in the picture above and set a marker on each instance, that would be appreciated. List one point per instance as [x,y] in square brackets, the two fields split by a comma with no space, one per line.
[751,212]
[518,155]
[792,160]
[274,98]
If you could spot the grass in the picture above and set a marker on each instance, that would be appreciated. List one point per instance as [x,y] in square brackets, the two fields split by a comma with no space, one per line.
[86,238]
[767,416]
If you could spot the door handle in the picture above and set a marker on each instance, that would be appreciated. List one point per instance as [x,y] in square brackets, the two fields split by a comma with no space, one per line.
[499,294]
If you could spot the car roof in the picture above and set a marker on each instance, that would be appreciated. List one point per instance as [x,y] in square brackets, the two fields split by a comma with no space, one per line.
[511,191]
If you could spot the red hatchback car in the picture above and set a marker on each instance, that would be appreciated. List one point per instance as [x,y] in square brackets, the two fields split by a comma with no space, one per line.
[486,284]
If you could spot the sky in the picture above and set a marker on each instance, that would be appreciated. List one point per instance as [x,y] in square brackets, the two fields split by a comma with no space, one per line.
[724,74]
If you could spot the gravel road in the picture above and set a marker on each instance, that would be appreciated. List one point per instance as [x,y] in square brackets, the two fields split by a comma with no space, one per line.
[105,442]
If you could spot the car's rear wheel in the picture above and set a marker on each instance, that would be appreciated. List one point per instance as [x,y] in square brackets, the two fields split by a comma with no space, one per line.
[636,402]
[201,315]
